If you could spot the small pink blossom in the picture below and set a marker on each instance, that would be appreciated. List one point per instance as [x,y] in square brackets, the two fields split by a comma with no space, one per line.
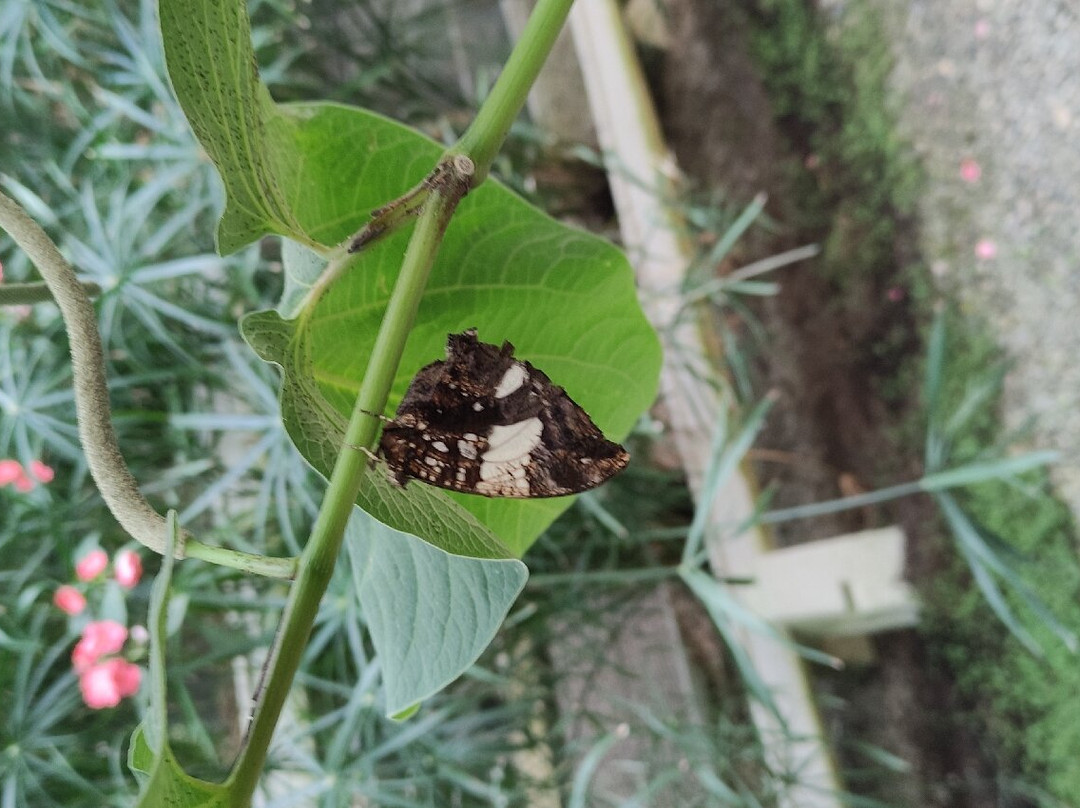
[970,170]
[139,634]
[895,294]
[99,688]
[104,684]
[10,471]
[128,677]
[127,567]
[42,472]
[982,28]
[99,638]
[24,485]
[986,249]
[70,600]
[91,565]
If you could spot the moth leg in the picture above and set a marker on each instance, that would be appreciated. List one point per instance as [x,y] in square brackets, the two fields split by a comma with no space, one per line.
[380,416]
[371,456]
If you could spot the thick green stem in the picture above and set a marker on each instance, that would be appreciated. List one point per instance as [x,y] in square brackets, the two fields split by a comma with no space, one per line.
[324,545]
[483,139]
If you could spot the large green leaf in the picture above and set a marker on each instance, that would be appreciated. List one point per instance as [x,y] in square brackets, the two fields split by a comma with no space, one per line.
[212,69]
[313,173]
[430,614]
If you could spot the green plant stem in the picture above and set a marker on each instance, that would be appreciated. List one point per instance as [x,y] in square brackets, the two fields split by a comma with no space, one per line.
[118,487]
[320,555]
[19,294]
[483,139]
[252,563]
[339,261]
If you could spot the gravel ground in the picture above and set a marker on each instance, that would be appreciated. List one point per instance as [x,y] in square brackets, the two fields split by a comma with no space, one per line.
[988,93]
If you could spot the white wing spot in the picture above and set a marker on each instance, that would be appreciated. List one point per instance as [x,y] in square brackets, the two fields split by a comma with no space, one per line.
[439,446]
[503,488]
[503,466]
[513,442]
[467,449]
[515,376]
[477,406]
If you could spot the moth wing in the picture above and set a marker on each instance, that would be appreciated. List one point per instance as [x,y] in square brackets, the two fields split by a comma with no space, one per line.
[510,455]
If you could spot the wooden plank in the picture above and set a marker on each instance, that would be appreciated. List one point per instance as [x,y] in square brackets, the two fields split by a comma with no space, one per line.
[640,174]
[843,586]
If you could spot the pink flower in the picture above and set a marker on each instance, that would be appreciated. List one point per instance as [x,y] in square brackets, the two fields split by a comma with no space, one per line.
[43,473]
[970,170]
[986,249]
[10,471]
[982,29]
[99,688]
[104,684]
[99,638]
[24,484]
[127,567]
[69,600]
[895,294]
[91,565]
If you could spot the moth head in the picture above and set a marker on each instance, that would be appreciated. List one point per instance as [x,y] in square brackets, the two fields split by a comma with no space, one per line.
[459,346]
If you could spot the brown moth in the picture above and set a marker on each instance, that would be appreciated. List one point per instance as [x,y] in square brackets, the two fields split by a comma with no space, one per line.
[483,422]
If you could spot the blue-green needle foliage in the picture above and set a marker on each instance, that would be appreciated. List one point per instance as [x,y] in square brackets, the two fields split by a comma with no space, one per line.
[102,157]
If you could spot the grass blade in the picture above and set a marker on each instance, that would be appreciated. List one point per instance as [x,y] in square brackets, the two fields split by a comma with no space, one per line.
[983,471]
[935,371]
[725,460]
